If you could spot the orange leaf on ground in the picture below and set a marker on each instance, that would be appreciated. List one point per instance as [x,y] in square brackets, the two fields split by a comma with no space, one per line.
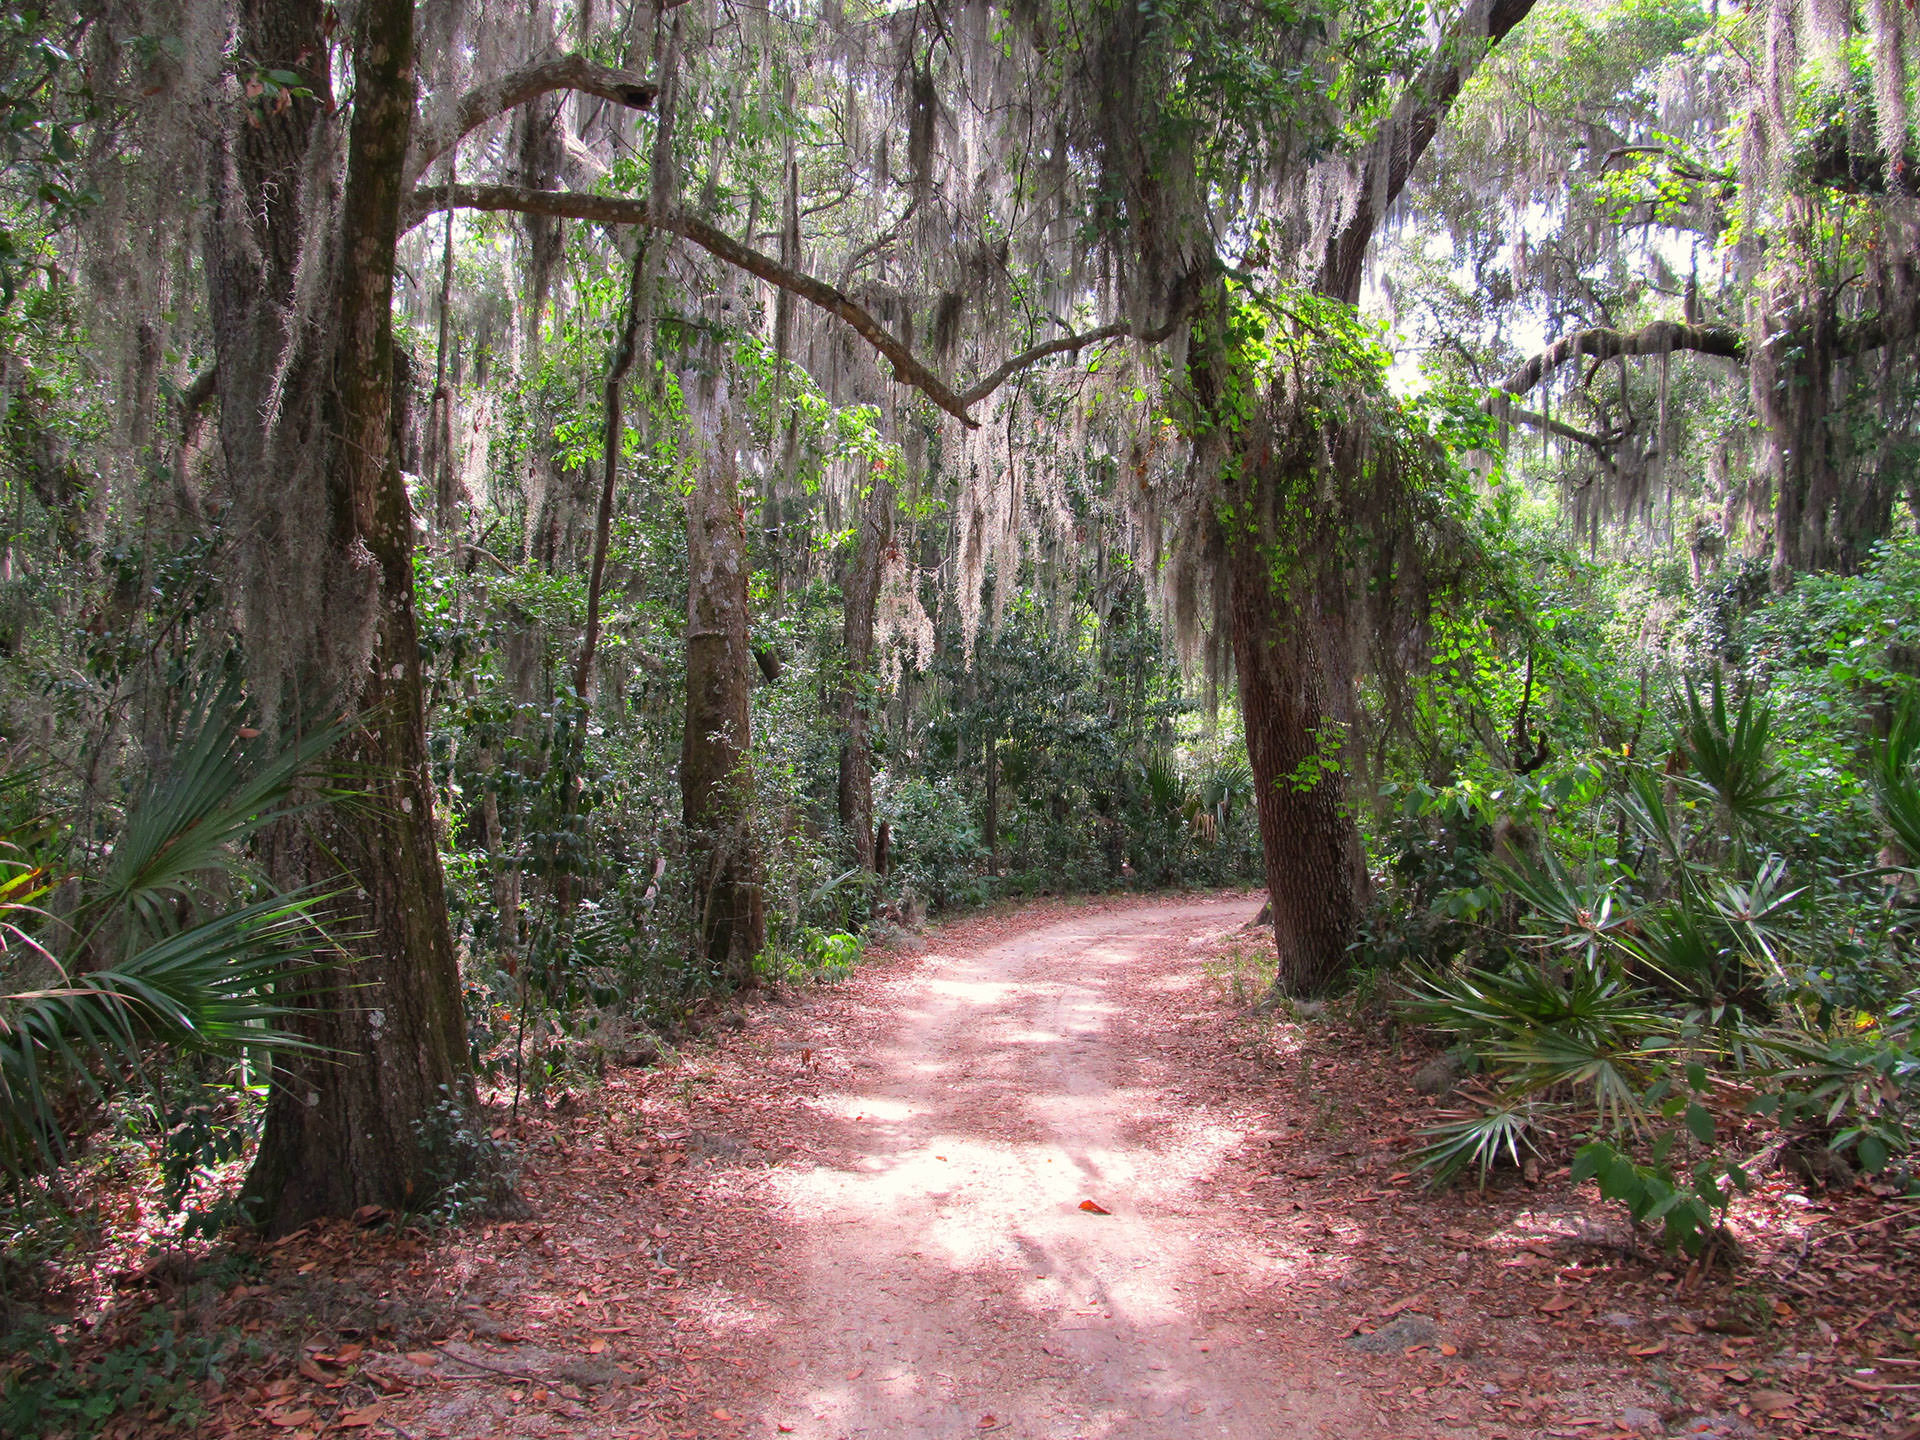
[1094,1207]
[1659,1347]
[361,1418]
[423,1358]
[287,1420]
[1557,1304]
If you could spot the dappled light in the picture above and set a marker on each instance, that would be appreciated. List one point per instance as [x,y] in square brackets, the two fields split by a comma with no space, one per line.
[887,722]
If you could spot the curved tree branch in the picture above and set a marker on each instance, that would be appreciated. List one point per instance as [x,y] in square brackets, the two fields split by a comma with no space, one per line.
[908,369]
[610,210]
[1601,445]
[496,97]
[1119,330]
[1661,337]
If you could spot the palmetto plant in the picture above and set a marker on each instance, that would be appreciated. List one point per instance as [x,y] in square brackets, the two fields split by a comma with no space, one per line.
[1226,785]
[1728,752]
[1166,790]
[1896,790]
[154,954]
[1480,1137]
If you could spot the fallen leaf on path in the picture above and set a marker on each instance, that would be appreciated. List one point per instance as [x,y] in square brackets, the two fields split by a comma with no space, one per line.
[1094,1207]
[1659,1347]
[1557,1304]
[361,1418]
[423,1358]
[1769,1401]
[291,1418]
[599,1344]
[987,1422]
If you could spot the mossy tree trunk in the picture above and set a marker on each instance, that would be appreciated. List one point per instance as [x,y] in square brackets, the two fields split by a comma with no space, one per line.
[716,779]
[857,685]
[366,1123]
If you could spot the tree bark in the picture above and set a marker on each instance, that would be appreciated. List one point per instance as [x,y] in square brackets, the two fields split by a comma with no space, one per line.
[856,689]
[363,1125]
[1315,862]
[1792,389]
[716,781]
[1316,868]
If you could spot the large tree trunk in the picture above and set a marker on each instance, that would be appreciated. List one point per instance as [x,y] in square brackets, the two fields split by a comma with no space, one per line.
[1792,386]
[371,1121]
[1316,872]
[1274,543]
[856,691]
[716,781]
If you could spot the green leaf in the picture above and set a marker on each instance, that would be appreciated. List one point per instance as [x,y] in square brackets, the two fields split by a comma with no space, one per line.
[1621,1181]
[1872,1151]
[1700,1123]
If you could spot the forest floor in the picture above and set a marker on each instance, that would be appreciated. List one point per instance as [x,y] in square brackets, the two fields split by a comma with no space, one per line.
[1040,1174]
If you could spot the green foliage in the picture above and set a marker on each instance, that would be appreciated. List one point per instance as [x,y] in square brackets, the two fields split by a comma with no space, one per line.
[157,1374]
[1614,992]
[45,98]
[210,986]
[1689,1207]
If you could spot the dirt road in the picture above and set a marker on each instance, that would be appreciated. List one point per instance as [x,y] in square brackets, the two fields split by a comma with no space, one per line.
[858,1214]
[954,1282]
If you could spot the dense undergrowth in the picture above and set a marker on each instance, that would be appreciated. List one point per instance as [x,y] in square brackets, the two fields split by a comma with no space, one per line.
[1681,948]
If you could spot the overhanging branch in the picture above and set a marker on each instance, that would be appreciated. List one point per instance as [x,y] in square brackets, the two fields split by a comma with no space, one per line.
[1659,338]
[908,369]
[496,97]
[1601,445]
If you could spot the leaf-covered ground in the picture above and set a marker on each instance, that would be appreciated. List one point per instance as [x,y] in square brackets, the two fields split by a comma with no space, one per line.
[864,1211]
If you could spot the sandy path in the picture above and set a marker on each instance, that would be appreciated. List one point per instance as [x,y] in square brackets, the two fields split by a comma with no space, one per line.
[952,1285]
[855,1216]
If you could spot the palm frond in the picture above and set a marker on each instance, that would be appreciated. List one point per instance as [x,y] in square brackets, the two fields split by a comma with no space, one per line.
[1480,1138]
[1896,790]
[224,783]
[1728,751]
[1571,913]
[217,987]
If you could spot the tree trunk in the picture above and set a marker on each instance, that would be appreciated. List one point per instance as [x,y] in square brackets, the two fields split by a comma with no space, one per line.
[716,782]
[1315,866]
[856,691]
[990,828]
[1792,380]
[372,1122]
